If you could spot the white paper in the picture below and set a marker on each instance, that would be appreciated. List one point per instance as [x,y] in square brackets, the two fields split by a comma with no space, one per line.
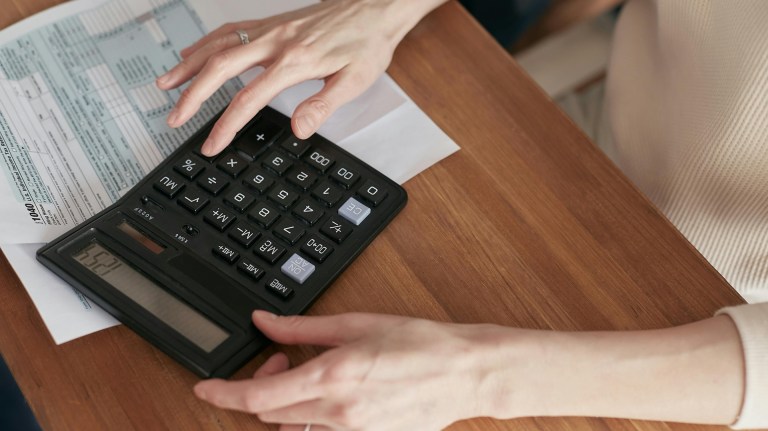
[66,312]
[383,127]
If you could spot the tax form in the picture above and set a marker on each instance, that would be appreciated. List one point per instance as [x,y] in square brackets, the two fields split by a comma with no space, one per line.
[81,121]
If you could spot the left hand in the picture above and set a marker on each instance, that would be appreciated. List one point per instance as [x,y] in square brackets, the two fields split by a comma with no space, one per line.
[384,373]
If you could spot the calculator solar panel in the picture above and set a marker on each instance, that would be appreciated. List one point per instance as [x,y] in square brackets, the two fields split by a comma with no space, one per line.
[186,255]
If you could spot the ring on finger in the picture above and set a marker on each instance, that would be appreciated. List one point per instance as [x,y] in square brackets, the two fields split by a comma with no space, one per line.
[243,37]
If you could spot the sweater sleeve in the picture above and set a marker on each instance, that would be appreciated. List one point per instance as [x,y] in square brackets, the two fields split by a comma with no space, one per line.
[752,323]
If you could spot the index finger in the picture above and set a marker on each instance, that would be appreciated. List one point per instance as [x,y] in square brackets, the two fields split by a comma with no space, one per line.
[267,393]
[250,100]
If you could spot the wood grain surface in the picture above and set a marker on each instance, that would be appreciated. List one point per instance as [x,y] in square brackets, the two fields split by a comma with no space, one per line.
[527,225]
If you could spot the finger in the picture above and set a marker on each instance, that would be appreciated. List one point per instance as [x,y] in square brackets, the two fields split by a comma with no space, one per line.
[266,393]
[192,64]
[231,27]
[321,330]
[339,89]
[217,70]
[316,412]
[250,100]
[276,363]
[303,427]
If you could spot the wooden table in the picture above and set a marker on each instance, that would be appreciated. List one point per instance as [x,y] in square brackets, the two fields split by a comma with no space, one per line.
[528,225]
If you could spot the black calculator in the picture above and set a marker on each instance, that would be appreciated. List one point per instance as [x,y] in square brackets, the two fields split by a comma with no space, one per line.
[187,254]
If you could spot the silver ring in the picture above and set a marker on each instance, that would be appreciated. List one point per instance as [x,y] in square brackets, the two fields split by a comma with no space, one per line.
[243,39]
[308,427]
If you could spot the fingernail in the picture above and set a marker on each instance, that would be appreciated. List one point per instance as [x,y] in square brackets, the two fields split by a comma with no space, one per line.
[208,148]
[163,79]
[173,117]
[200,392]
[305,125]
[264,314]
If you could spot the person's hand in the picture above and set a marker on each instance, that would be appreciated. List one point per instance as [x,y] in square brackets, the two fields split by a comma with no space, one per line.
[384,373]
[348,43]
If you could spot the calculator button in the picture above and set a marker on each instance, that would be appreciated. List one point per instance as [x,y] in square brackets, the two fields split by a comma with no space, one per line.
[263,132]
[336,229]
[297,268]
[249,268]
[244,234]
[225,252]
[219,218]
[169,185]
[296,147]
[257,138]
[192,200]
[268,249]
[232,164]
[319,161]
[344,176]
[263,214]
[239,199]
[279,288]
[191,230]
[316,248]
[277,162]
[301,177]
[282,196]
[354,211]
[213,182]
[288,230]
[308,211]
[372,192]
[203,157]
[259,180]
[327,193]
[189,167]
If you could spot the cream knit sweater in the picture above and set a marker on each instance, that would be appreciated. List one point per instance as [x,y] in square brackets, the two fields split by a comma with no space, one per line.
[688,109]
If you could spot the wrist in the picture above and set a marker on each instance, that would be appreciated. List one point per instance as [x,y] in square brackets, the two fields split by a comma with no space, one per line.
[510,370]
[404,15]
[692,373]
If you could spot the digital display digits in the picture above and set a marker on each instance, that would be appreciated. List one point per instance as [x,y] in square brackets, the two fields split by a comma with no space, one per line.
[157,301]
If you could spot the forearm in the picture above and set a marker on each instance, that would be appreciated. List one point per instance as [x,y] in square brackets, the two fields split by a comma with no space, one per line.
[692,373]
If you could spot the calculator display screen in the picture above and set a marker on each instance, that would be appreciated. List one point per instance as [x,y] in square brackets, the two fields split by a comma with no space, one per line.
[176,314]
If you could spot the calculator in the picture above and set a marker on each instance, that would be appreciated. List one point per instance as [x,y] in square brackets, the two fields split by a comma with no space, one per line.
[188,253]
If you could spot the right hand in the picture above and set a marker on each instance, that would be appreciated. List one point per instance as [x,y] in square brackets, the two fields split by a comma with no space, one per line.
[348,43]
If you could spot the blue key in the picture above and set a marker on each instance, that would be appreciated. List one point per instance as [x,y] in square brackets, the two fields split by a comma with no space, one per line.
[297,268]
[354,211]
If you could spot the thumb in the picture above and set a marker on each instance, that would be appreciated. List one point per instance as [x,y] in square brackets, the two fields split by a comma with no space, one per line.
[331,330]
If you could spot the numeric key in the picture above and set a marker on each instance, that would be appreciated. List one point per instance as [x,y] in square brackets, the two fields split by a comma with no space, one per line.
[344,176]
[277,162]
[319,161]
[316,248]
[308,211]
[327,193]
